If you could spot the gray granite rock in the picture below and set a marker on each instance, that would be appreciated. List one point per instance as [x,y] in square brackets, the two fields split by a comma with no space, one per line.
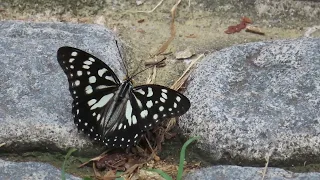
[247,173]
[30,171]
[258,99]
[35,106]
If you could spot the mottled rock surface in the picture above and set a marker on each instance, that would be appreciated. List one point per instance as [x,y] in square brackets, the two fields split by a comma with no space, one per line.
[35,106]
[247,173]
[258,99]
[30,171]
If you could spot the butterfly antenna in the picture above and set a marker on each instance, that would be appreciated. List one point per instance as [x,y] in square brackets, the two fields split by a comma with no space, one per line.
[123,63]
[134,75]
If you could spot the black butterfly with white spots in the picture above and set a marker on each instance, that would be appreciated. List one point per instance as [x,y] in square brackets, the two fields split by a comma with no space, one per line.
[110,111]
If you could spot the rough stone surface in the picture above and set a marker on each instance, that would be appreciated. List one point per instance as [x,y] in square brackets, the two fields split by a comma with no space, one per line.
[35,106]
[30,171]
[258,99]
[247,173]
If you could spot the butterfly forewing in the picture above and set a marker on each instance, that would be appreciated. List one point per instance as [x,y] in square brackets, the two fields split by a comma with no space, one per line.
[112,112]
[91,84]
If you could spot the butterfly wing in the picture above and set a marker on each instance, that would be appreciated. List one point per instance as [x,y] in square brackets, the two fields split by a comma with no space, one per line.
[91,84]
[154,103]
[145,108]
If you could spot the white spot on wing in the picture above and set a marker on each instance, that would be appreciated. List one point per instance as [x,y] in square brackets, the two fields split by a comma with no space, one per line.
[178,98]
[104,87]
[102,71]
[120,126]
[98,117]
[134,119]
[164,90]
[162,99]
[138,102]
[77,82]
[88,89]
[140,91]
[91,59]
[129,112]
[85,67]
[150,92]
[110,78]
[155,116]
[92,79]
[74,53]
[87,62]
[71,60]
[161,108]
[149,104]
[103,101]
[71,66]
[144,113]
[175,105]
[164,95]
[79,73]
[91,102]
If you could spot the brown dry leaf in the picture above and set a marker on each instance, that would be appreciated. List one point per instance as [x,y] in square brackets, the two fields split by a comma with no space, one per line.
[96,173]
[246,20]
[110,175]
[114,161]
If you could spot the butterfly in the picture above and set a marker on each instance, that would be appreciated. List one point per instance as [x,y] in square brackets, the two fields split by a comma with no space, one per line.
[110,111]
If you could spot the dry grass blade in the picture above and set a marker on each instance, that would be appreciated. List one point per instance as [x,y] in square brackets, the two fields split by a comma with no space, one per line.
[181,80]
[152,75]
[265,168]
[94,159]
[152,9]
[172,29]
[2,144]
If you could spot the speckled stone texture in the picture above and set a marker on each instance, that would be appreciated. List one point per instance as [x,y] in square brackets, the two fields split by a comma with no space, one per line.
[247,173]
[258,99]
[35,106]
[30,171]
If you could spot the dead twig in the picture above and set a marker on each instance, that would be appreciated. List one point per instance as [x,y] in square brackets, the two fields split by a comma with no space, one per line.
[94,159]
[159,61]
[181,80]
[152,75]
[152,9]
[267,157]
[172,29]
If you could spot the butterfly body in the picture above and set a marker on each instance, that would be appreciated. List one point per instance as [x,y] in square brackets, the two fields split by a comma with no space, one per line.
[113,112]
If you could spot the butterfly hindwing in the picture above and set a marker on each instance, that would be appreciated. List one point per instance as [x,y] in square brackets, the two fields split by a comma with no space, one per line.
[153,103]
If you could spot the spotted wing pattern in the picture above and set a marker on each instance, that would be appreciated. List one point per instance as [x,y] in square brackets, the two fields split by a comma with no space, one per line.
[114,113]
